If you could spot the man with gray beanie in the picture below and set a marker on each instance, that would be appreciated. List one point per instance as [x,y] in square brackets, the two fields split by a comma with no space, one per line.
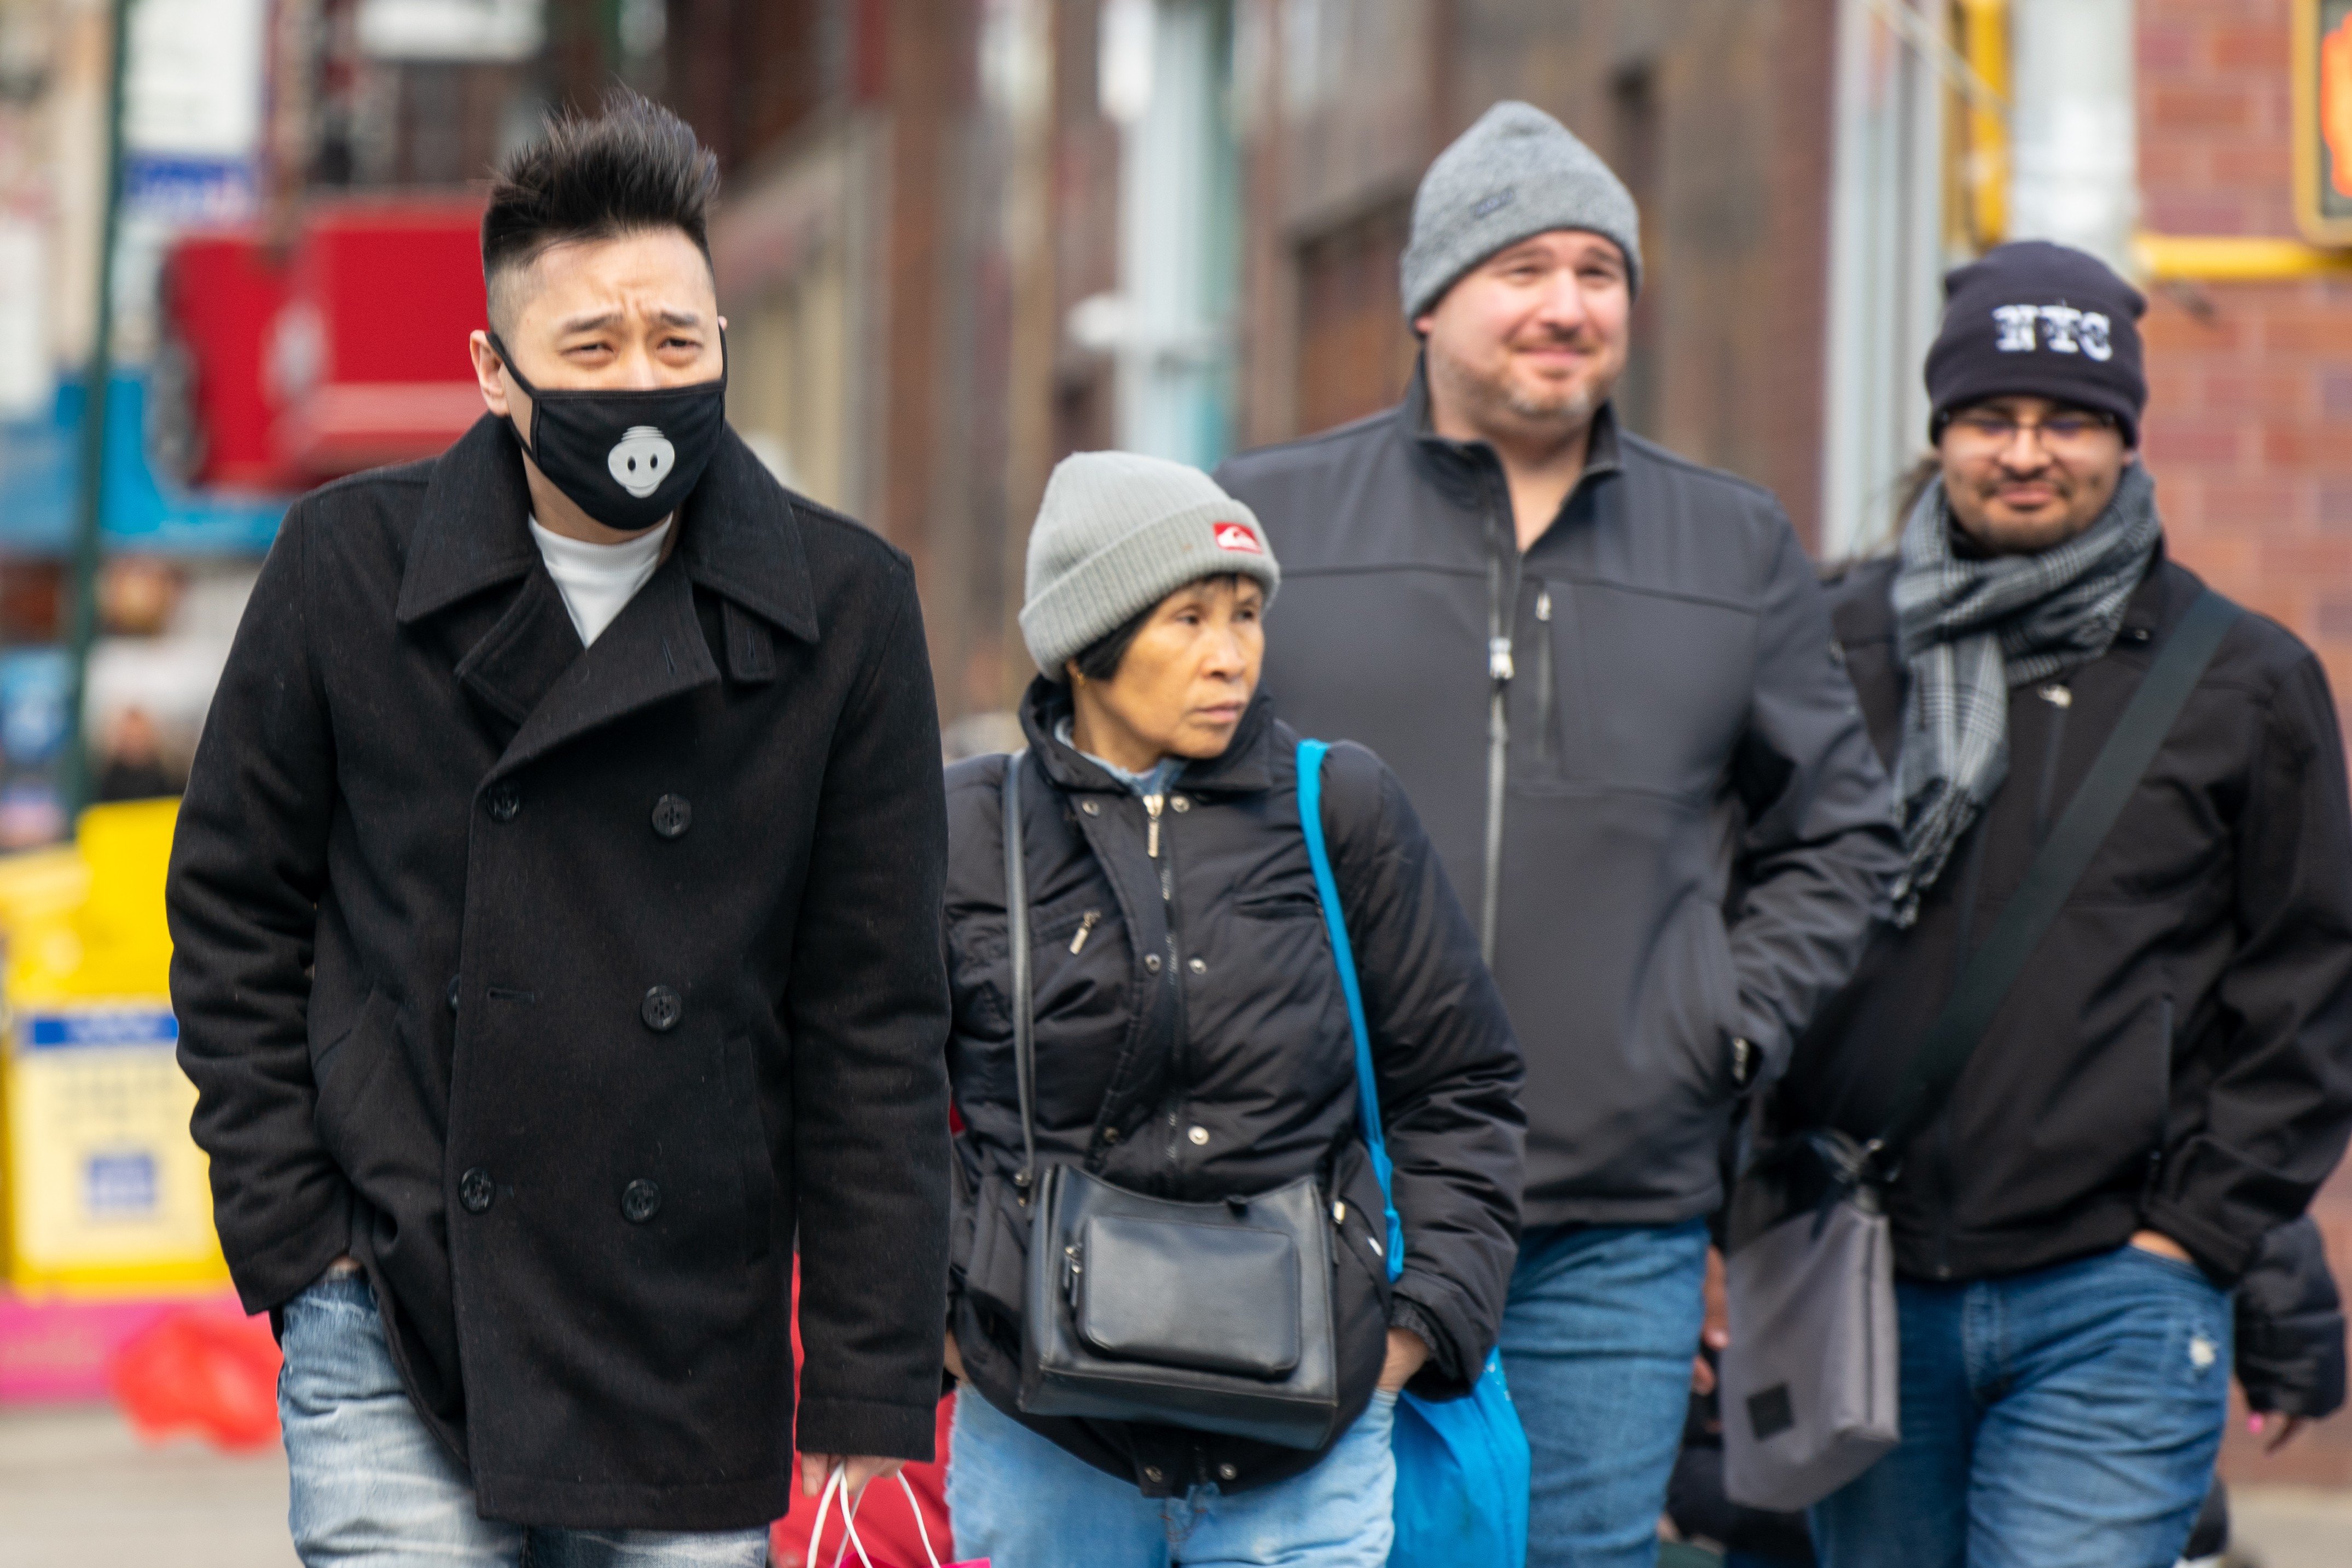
[1605,675]
[2168,1074]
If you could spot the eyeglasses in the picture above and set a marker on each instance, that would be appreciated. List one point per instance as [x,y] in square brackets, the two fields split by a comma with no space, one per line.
[1983,427]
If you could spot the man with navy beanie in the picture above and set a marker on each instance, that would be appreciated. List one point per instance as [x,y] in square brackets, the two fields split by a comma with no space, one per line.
[2043,315]
[1604,675]
[2169,1074]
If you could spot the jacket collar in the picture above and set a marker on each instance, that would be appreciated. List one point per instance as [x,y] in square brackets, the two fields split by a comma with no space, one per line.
[1244,768]
[1457,466]
[737,534]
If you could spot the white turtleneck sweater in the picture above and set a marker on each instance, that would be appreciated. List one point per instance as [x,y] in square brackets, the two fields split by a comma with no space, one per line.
[597,580]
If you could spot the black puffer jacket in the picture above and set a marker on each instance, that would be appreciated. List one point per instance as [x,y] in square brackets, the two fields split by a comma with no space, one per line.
[1196,1043]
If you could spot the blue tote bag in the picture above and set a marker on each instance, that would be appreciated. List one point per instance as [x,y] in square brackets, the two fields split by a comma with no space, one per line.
[1461,1464]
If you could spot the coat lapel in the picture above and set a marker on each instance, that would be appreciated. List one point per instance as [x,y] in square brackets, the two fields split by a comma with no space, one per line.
[738,537]
[742,540]
[524,653]
[473,532]
[653,651]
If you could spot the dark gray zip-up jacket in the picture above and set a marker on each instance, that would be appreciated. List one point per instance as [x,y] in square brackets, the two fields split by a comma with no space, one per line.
[1680,724]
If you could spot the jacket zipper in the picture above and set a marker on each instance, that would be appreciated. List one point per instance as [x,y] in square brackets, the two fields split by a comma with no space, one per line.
[1942,1167]
[1086,924]
[2163,1105]
[2060,699]
[1939,1165]
[1503,565]
[1544,655]
[1153,805]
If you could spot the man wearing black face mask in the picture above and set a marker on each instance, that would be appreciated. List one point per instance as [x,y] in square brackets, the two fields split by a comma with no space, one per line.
[556,911]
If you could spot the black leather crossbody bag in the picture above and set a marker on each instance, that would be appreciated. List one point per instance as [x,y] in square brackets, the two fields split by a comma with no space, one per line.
[1215,1317]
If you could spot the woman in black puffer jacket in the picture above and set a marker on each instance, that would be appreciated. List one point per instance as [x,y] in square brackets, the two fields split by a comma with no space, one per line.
[1193,1040]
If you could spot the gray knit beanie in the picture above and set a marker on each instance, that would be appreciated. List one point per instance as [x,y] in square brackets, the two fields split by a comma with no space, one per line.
[1117,534]
[1516,173]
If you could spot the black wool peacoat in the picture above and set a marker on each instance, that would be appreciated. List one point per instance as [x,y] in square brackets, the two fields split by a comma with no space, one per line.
[561,987]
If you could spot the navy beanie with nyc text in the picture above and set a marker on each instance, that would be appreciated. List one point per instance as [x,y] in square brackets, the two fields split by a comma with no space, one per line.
[2030,318]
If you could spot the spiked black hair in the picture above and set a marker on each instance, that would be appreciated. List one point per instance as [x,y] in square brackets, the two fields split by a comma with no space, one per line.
[634,167]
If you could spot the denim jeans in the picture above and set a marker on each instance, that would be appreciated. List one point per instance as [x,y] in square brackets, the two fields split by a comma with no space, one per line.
[1020,1502]
[2064,1418]
[372,1486]
[1598,1338]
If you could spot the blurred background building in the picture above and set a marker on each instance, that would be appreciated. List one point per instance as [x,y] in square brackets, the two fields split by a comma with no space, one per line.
[961,238]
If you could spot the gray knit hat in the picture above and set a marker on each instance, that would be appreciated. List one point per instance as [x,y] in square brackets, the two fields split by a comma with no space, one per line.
[1117,534]
[1516,173]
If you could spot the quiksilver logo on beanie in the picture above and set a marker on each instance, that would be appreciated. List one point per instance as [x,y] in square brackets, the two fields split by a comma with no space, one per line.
[2054,329]
[1235,537]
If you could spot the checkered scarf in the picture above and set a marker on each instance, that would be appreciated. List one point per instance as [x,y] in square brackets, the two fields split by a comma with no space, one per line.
[1971,628]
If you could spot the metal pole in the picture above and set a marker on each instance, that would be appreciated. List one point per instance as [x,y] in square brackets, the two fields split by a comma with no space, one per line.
[74,769]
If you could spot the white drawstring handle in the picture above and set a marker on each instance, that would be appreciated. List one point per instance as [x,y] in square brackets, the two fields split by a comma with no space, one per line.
[839,1481]
[836,1482]
[916,1508]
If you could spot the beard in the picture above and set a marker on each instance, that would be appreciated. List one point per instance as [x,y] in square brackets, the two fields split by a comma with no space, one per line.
[1506,402]
[1571,405]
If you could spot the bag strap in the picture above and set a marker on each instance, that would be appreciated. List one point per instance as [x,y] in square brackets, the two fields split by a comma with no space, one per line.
[1327,891]
[1024,1005]
[1988,975]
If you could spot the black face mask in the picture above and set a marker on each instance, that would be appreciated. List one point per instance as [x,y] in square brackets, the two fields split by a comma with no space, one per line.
[627,457]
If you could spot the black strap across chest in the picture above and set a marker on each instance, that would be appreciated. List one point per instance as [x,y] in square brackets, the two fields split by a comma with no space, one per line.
[1988,975]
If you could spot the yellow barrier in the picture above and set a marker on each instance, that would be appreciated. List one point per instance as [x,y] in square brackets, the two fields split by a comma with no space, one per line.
[103,1188]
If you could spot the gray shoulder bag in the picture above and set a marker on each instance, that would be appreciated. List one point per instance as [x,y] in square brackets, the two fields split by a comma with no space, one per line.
[1809,1381]
[1215,1317]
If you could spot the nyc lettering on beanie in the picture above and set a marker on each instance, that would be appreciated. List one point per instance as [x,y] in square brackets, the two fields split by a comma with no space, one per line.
[2031,319]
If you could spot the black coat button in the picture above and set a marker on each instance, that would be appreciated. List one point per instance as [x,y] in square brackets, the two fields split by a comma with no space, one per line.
[476,1191]
[672,816]
[453,991]
[640,1201]
[504,800]
[661,1009]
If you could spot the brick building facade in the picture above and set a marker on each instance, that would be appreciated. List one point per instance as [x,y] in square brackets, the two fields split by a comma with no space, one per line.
[2250,419]
[930,250]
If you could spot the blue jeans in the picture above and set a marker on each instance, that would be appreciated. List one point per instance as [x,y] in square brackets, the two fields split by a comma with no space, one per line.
[1598,1338]
[1020,1502]
[370,1485]
[2065,1418]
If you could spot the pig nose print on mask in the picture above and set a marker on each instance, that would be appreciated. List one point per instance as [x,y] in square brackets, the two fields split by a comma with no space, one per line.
[626,455]
[641,459]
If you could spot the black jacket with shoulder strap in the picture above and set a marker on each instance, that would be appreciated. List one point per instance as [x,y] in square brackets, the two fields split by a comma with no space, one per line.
[2178,1052]
[1232,1069]
[563,986]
